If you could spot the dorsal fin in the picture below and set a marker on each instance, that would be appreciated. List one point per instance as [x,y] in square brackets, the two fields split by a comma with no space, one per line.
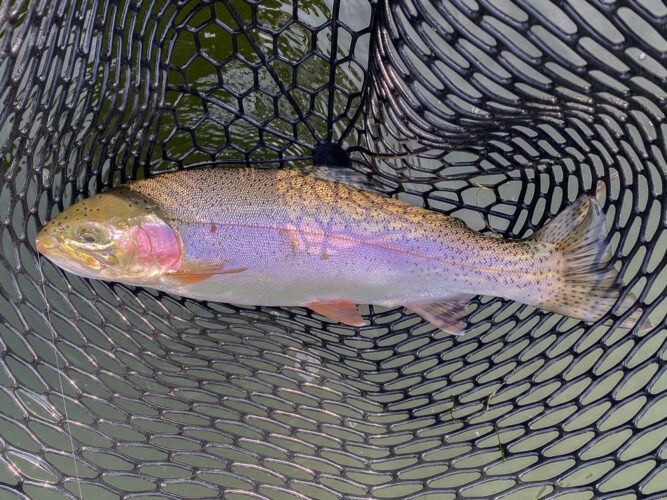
[343,175]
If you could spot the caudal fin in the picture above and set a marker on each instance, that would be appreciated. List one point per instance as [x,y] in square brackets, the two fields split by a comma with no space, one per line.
[589,288]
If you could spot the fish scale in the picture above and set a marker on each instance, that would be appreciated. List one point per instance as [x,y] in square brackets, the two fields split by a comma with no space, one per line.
[285,222]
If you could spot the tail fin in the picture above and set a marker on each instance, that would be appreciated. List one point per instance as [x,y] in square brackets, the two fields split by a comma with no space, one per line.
[589,289]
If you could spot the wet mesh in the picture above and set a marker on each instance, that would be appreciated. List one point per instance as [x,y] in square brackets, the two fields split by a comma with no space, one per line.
[495,111]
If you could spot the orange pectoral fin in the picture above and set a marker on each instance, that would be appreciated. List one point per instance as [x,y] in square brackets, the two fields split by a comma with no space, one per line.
[196,275]
[339,310]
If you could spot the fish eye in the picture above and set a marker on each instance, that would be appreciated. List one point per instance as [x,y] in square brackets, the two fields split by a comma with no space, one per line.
[91,233]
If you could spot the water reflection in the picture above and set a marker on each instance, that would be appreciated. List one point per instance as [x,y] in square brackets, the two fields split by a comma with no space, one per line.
[249,89]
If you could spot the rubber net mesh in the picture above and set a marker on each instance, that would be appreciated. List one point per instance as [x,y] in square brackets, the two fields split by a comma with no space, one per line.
[499,112]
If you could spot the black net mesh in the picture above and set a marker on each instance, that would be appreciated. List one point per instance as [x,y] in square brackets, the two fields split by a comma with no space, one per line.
[495,111]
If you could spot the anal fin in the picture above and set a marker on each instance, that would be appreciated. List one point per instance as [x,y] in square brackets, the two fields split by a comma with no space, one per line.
[445,314]
[339,310]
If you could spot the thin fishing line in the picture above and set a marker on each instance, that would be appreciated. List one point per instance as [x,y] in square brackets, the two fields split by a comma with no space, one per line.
[60,377]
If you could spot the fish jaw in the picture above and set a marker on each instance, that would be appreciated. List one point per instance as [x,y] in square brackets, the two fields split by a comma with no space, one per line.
[67,258]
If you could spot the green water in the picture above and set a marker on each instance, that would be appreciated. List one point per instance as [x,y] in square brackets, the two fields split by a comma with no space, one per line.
[220,96]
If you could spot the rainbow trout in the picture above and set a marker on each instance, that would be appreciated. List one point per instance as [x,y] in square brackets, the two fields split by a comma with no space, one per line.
[280,238]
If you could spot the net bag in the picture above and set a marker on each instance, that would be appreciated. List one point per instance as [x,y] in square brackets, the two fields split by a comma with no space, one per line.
[498,112]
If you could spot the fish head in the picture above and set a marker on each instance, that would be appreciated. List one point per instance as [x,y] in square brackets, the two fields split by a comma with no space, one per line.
[118,235]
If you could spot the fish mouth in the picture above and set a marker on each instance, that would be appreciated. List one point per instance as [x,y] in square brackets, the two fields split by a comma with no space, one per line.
[74,260]
[45,242]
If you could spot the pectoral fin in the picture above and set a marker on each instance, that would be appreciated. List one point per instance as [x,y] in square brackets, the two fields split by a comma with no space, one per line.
[445,314]
[191,276]
[339,310]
